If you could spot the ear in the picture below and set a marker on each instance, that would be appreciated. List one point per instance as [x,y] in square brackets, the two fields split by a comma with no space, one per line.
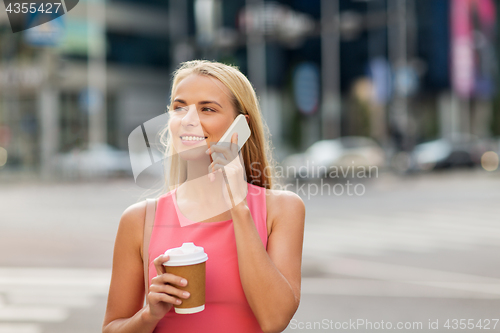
[248,118]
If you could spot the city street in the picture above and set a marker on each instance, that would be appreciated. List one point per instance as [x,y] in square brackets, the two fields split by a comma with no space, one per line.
[395,103]
[409,251]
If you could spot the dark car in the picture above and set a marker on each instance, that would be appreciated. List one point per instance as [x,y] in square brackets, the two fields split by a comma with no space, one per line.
[462,151]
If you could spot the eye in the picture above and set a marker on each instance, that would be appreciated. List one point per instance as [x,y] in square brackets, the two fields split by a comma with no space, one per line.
[207,109]
[180,109]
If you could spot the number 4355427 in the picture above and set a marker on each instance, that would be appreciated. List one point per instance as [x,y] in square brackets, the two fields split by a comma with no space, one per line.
[485,324]
[24,8]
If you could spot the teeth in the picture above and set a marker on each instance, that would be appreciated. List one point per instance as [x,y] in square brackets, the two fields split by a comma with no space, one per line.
[192,138]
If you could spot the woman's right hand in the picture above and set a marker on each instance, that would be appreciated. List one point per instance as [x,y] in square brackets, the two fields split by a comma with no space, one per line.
[162,292]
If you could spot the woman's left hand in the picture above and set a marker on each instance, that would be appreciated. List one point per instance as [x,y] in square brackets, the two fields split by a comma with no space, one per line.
[228,163]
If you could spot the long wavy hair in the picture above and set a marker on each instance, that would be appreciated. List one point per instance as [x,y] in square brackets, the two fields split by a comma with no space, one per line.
[256,153]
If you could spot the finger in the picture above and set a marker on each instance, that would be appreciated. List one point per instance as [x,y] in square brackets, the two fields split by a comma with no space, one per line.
[171,279]
[234,144]
[209,152]
[211,177]
[218,148]
[158,262]
[216,167]
[161,297]
[224,150]
[218,162]
[169,290]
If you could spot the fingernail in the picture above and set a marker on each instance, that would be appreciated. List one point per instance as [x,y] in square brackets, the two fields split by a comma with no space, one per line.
[186,294]
[208,151]
[178,301]
[184,282]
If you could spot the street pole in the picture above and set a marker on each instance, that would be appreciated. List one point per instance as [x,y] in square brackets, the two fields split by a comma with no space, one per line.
[96,15]
[256,52]
[48,114]
[376,50]
[178,32]
[208,18]
[330,54]
[397,55]
[257,69]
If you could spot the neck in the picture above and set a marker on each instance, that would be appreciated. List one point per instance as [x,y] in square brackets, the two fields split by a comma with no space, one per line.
[198,186]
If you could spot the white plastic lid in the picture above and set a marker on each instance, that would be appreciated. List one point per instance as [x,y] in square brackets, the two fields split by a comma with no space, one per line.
[187,254]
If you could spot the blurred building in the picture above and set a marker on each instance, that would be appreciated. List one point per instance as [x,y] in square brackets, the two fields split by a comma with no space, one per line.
[322,68]
[112,64]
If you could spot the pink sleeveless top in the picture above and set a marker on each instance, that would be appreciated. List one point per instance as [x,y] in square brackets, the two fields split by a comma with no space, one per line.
[226,307]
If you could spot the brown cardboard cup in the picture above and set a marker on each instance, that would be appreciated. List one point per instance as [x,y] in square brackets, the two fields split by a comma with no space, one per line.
[189,262]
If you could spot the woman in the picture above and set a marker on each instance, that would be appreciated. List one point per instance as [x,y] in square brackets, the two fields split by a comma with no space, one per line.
[254,245]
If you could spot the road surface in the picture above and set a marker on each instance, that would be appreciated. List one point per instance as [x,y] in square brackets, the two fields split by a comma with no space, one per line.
[412,252]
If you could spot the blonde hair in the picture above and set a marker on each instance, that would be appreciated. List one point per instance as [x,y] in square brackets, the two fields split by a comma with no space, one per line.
[257,151]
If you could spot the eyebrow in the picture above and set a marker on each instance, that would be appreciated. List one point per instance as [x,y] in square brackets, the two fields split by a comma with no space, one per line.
[201,102]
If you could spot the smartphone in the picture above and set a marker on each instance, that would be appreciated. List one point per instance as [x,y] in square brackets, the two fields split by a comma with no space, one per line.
[239,126]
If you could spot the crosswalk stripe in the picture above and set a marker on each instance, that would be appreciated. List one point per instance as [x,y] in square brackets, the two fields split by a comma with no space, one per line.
[33,313]
[19,328]
[396,241]
[49,298]
[363,243]
[392,272]
[41,295]
[370,278]
[428,219]
[441,230]
[369,234]
[412,230]
[377,288]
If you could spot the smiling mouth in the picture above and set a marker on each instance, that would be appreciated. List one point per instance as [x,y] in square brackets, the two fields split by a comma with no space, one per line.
[193,138]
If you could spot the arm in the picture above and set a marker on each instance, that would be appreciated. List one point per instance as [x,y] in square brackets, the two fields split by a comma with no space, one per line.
[271,280]
[124,311]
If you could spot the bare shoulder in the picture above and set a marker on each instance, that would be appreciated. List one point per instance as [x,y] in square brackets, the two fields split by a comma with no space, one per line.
[133,216]
[283,197]
[283,205]
[131,228]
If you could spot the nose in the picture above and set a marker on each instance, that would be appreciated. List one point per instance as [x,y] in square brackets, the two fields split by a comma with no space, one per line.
[191,117]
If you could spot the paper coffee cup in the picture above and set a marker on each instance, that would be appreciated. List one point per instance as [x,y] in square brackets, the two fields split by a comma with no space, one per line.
[188,261]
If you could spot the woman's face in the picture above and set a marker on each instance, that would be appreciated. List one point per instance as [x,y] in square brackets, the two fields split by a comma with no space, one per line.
[200,114]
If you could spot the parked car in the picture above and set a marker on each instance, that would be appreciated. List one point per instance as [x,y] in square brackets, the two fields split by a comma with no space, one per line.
[96,161]
[463,151]
[341,156]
